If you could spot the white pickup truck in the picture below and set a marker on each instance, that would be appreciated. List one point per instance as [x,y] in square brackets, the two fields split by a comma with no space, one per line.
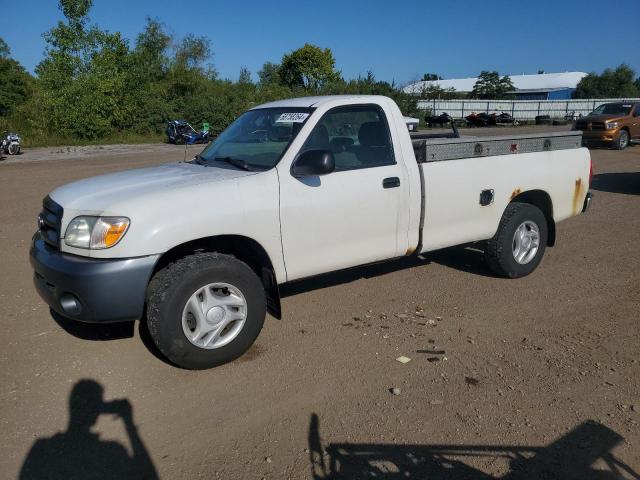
[292,189]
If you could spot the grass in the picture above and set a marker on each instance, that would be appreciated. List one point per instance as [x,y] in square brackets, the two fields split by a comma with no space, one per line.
[33,137]
[120,139]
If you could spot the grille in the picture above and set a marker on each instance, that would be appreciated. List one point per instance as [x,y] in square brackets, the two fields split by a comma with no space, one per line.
[49,222]
[589,125]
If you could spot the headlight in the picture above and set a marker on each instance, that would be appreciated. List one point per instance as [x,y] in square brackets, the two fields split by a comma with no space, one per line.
[95,232]
[611,125]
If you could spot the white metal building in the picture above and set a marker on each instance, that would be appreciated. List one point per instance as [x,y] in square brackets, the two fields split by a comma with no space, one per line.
[542,86]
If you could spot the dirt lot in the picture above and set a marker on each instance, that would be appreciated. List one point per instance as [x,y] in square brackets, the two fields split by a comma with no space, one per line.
[533,378]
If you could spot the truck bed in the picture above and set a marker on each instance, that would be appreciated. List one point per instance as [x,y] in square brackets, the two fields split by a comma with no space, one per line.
[435,149]
[463,200]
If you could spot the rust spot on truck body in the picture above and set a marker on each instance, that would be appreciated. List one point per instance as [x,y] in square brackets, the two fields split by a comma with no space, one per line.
[410,251]
[578,196]
[515,193]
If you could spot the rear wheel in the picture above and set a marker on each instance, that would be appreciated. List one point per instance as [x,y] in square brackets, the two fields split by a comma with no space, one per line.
[622,141]
[205,310]
[518,246]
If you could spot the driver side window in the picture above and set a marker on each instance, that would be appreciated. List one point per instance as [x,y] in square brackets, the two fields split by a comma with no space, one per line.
[357,135]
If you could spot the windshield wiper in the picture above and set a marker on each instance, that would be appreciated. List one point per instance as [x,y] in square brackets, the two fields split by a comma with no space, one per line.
[236,162]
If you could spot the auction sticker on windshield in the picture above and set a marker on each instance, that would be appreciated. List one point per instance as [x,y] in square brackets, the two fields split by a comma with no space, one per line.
[292,117]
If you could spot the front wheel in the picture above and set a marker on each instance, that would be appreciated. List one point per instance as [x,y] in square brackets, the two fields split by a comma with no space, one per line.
[13,149]
[518,246]
[205,310]
[622,141]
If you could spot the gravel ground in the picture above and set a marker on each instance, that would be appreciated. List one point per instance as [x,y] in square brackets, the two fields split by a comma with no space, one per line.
[532,378]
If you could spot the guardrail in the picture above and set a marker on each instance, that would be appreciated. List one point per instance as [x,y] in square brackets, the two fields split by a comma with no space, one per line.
[519,109]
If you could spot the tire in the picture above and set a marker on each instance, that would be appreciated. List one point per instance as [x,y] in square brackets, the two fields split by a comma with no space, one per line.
[174,286]
[500,251]
[622,141]
[13,149]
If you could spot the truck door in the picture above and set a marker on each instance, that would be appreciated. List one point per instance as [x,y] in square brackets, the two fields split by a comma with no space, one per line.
[348,217]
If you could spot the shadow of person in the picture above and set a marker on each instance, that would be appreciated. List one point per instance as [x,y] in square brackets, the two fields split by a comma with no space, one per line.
[79,453]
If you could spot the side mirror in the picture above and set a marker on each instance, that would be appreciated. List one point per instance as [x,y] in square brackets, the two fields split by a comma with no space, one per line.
[312,163]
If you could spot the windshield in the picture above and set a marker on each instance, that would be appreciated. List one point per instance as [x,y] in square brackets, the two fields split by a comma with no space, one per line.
[613,109]
[257,139]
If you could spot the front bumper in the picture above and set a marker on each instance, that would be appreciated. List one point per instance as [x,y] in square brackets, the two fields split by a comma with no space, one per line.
[88,289]
[599,137]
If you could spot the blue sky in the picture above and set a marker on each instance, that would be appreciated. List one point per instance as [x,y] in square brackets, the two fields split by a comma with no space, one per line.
[396,40]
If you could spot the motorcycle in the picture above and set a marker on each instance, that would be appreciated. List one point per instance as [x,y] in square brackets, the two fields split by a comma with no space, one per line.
[505,119]
[481,119]
[181,132]
[441,119]
[10,143]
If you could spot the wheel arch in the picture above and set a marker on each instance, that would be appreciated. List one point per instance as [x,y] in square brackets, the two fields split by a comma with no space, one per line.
[541,200]
[241,247]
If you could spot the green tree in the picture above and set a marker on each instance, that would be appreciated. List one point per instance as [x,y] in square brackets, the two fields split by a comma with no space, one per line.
[491,86]
[15,82]
[75,11]
[83,76]
[150,59]
[430,77]
[245,76]
[187,69]
[431,92]
[309,67]
[192,51]
[618,83]
[5,51]
[268,74]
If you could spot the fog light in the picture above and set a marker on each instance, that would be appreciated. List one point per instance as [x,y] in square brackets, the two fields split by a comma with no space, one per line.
[70,304]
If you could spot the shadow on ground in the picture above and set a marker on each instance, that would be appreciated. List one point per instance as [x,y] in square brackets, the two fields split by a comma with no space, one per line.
[79,452]
[620,182]
[109,331]
[466,258]
[94,331]
[570,457]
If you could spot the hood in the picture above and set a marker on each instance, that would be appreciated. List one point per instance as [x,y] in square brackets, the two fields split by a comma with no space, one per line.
[96,194]
[603,118]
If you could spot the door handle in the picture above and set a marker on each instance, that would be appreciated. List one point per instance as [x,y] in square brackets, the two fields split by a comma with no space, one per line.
[391,182]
